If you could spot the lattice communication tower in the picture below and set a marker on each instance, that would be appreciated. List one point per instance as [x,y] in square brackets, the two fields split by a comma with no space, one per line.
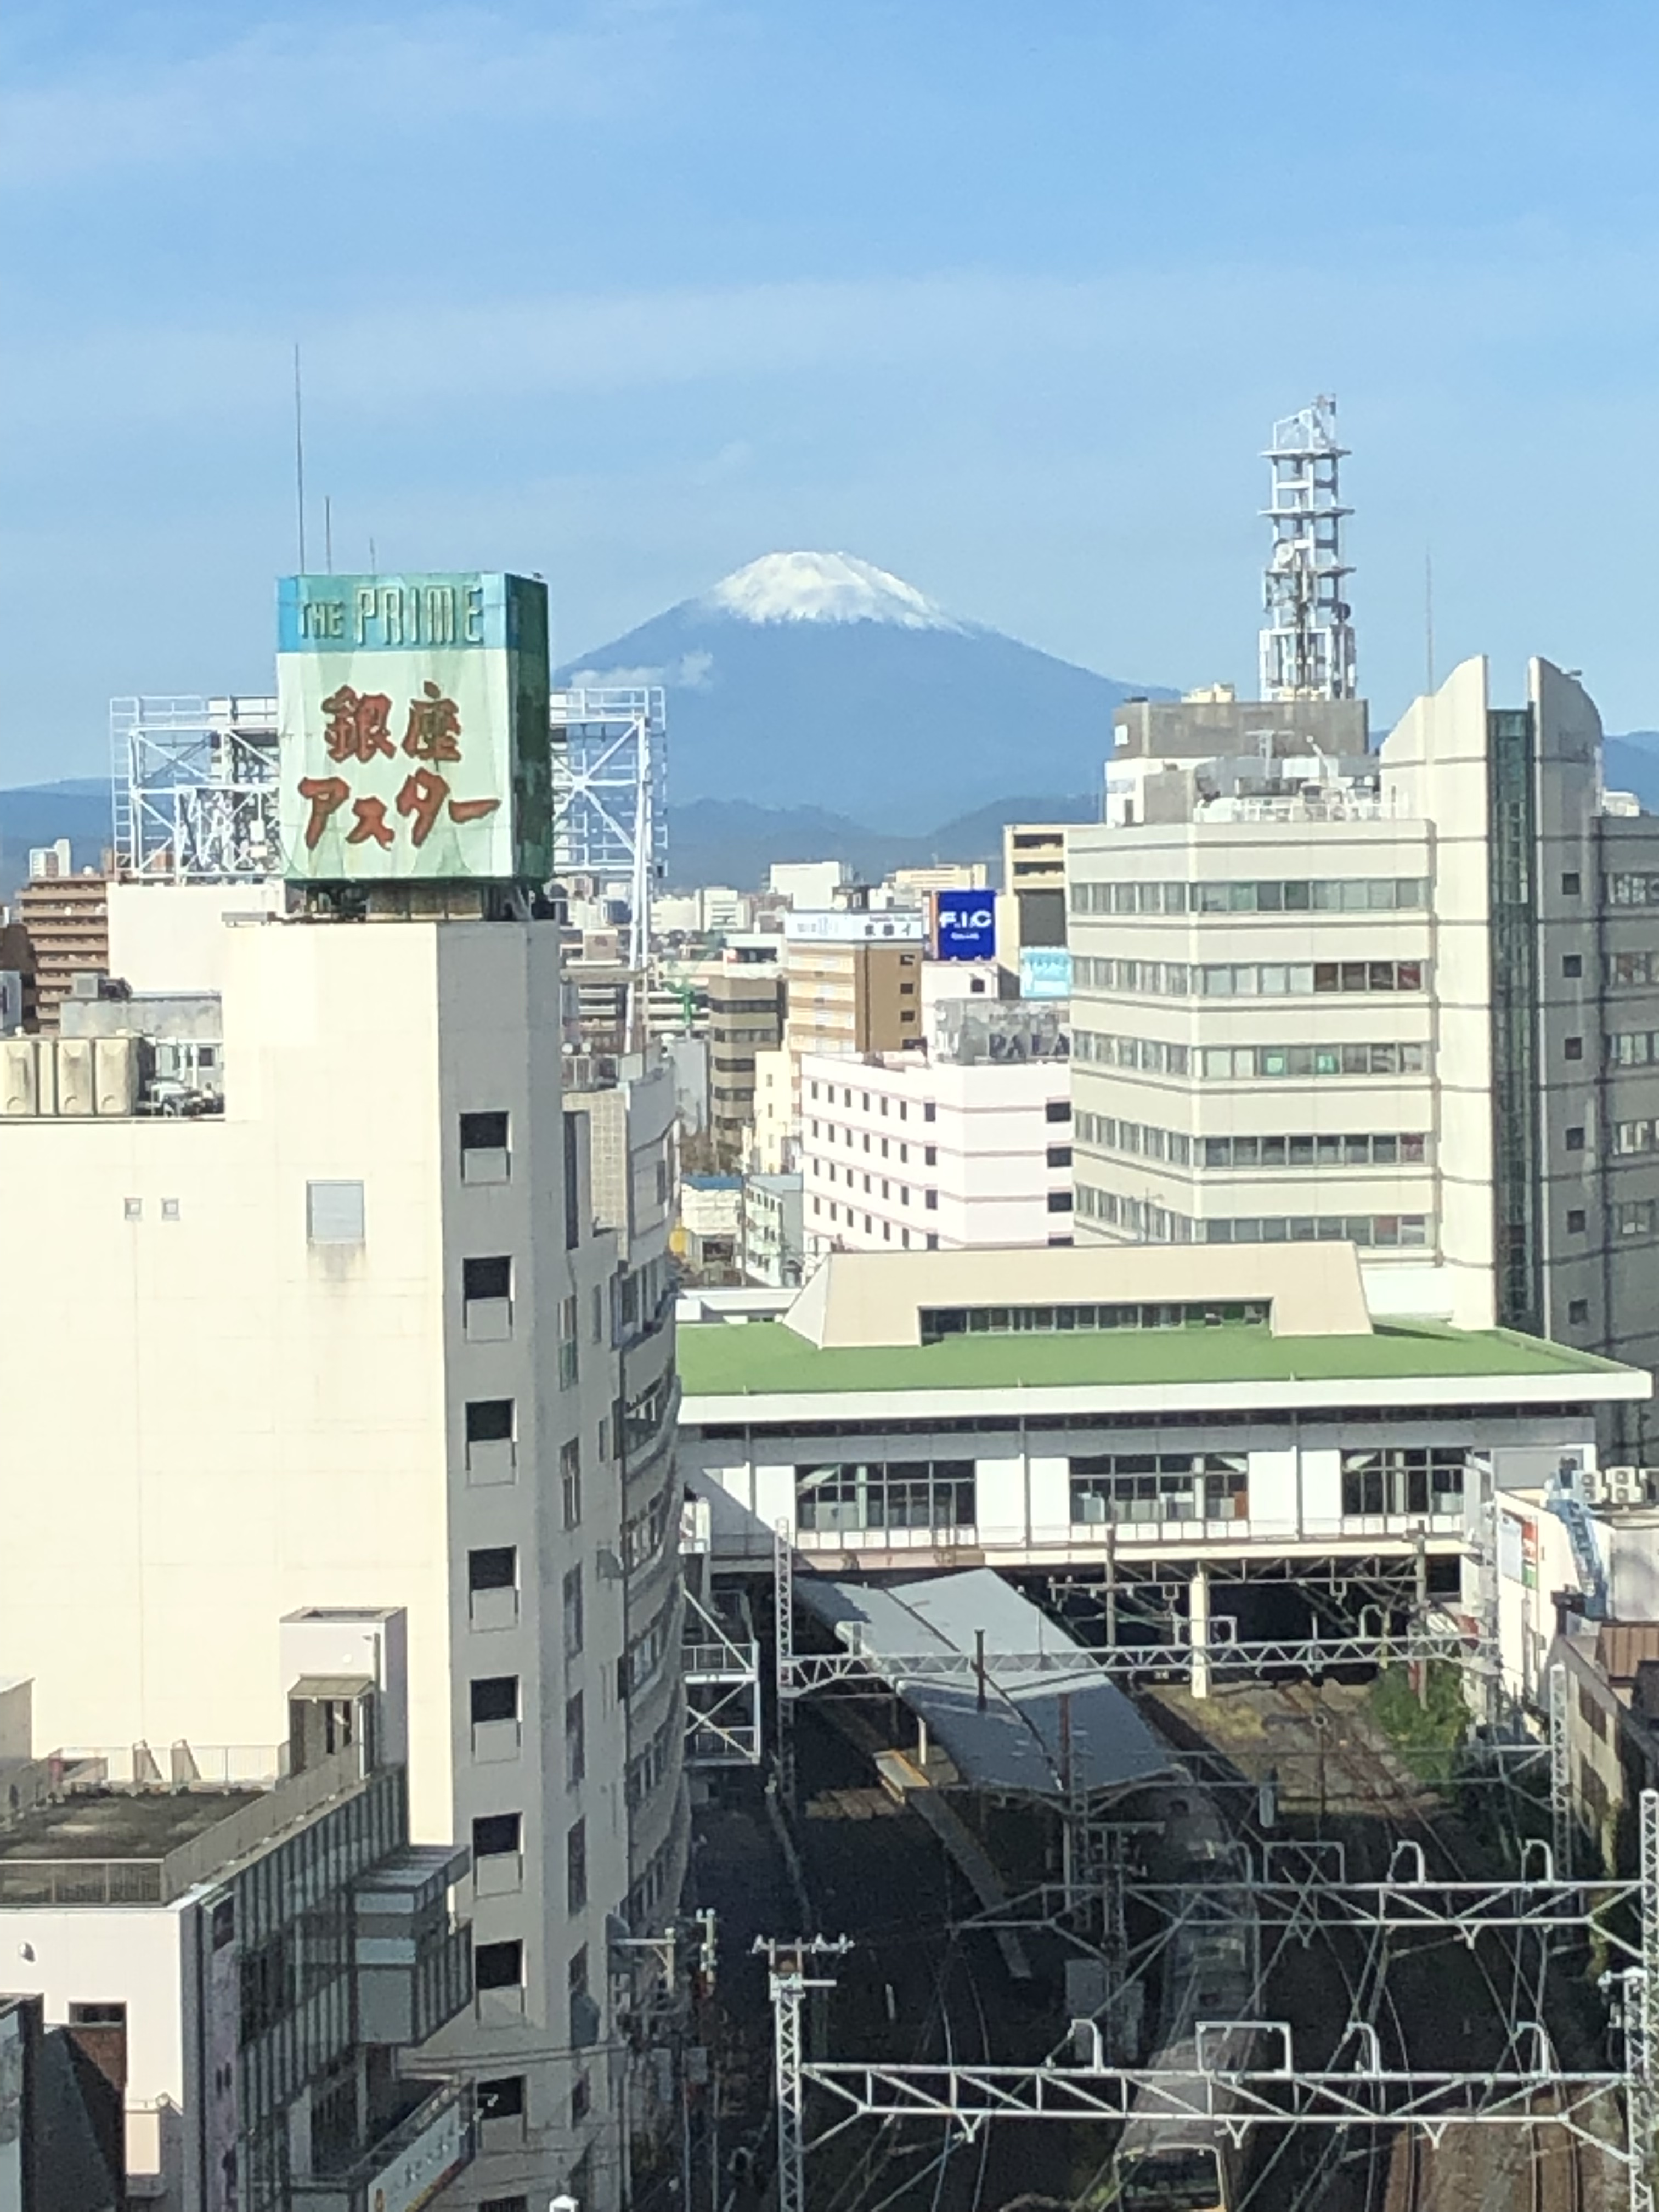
[1306,640]
[610,787]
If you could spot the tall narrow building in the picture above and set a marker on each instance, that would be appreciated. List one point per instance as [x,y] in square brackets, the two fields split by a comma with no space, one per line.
[324,1310]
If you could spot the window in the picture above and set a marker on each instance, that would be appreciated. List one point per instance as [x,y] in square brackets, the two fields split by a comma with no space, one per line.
[484,1154]
[334,1212]
[1057,1109]
[568,1348]
[493,1697]
[497,1835]
[501,2098]
[132,1209]
[1577,1309]
[1060,1156]
[570,1481]
[1573,1048]
[572,1598]
[930,1200]
[487,1279]
[1395,1481]
[1570,883]
[886,1495]
[495,1569]
[929,1110]
[1635,1217]
[489,1439]
[1141,1487]
[170,1212]
[1575,1221]
[1575,1140]
[1572,965]
[575,1868]
[498,1966]
[935,1323]
[487,1299]
[930,1155]
[503,2203]
[575,1742]
[1060,1202]
[582,2099]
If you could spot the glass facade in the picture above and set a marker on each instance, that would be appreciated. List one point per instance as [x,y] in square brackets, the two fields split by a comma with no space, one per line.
[1517,1137]
[939,1493]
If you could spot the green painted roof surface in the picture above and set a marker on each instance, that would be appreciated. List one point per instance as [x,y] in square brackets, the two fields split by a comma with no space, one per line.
[729,1360]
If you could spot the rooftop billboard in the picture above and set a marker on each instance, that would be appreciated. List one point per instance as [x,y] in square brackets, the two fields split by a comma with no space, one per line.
[412,715]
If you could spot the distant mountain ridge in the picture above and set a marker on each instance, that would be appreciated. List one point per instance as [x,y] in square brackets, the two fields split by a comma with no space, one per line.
[728,841]
[819,680]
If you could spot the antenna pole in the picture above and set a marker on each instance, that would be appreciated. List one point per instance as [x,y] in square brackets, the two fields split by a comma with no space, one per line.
[1428,613]
[299,455]
[328,533]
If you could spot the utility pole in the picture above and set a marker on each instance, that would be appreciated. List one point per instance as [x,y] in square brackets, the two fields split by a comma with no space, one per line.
[788,1981]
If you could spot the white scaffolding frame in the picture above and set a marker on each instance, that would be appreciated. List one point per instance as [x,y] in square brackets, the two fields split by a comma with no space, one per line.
[194,790]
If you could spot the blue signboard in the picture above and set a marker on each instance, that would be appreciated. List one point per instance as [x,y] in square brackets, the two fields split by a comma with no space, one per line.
[965,925]
[1045,971]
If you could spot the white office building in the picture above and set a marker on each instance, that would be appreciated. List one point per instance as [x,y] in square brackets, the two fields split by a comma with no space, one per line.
[310,1307]
[967,1144]
[1412,1007]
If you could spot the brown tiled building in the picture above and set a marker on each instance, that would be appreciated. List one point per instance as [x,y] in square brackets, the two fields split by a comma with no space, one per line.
[66,919]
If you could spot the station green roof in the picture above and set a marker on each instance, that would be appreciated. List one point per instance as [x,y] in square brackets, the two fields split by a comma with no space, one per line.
[719,1359]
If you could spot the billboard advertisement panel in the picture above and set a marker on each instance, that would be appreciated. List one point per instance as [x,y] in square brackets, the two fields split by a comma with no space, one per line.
[1045,971]
[412,715]
[964,924]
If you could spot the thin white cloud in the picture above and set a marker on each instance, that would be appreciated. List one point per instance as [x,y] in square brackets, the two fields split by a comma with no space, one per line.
[288,89]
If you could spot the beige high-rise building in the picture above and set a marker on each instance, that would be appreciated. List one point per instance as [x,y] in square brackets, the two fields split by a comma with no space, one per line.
[853,980]
[1412,1005]
[745,1018]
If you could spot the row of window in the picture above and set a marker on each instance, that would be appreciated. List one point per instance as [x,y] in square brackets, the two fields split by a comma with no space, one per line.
[928,1111]
[1356,1150]
[937,1323]
[1633,1049]
[1632,891]
[1247,1063]
[1342,895]
[830,1134]
[827,1209]
[1118,1487]
[1149,1223]
[1178,979]
[888,1190]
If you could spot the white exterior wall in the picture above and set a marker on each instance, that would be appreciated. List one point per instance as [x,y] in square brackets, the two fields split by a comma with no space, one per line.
[239,1407]
[1024,1484]
[989,1137]
[173,937]
[111,1954]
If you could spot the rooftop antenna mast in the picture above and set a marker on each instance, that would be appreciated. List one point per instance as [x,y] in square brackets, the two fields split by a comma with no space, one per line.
[1307,639]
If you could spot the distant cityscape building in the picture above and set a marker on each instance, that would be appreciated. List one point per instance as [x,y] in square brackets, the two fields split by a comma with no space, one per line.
[66,920]
[745,1001]
[774,1246]
[853,980]
[809,884]
[968,1144]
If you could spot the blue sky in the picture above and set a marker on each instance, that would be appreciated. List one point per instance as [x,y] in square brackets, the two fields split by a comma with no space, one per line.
[1002,296]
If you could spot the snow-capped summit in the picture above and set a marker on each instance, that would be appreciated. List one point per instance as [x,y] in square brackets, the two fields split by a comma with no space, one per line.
[824,587]
[816,679]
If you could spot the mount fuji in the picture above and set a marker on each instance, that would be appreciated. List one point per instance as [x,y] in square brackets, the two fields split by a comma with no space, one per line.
[819,680]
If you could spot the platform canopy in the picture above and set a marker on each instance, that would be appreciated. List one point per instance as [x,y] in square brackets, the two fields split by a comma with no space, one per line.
[1052,1723]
